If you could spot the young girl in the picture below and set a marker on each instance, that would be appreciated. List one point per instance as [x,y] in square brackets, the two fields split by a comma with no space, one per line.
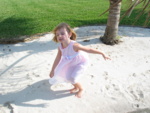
[71,59]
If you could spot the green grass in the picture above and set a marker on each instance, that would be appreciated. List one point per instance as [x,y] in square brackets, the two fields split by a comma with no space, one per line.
[28,17]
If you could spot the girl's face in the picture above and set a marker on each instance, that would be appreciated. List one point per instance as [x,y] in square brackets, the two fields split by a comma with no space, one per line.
[62,35]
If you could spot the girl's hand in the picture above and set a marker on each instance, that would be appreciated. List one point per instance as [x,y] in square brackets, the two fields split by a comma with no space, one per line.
[106,58]
[51,74]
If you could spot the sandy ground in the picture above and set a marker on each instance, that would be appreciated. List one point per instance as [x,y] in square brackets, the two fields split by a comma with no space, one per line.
[121,85]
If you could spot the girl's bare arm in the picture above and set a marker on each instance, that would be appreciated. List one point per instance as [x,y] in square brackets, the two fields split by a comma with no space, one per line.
[78,47]
[57,59]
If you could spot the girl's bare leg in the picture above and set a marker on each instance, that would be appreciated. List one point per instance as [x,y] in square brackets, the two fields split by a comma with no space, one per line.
[75,89]
[80,90]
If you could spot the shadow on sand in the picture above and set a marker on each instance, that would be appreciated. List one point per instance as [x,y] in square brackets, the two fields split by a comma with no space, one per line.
[145,110]
[39,90]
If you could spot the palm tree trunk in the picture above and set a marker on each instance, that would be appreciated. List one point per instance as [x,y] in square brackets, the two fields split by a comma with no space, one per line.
[111,32]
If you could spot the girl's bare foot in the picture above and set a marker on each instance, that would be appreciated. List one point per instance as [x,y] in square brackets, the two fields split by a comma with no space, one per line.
[79,93]
[74,90]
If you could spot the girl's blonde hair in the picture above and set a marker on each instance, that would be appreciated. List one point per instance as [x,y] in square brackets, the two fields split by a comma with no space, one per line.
[67,27]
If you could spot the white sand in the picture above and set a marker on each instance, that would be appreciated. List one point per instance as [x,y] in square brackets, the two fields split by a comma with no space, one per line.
[121,85]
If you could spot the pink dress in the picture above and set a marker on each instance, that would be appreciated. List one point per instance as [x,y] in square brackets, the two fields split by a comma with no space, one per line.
[71,66]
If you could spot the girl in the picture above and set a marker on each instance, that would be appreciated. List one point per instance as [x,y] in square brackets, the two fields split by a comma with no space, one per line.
[71,59]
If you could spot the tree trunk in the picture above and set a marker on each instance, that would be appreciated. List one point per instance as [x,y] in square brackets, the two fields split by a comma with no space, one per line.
[111,32]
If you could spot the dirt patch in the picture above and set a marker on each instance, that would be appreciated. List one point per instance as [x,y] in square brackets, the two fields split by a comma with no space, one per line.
[21,39]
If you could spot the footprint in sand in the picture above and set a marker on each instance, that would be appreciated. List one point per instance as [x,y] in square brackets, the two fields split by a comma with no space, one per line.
[135,94]
[134,75]
[135,105]
[105,75]
[91,76]
[28,77]
[116,88]
[36,75]
[7,49]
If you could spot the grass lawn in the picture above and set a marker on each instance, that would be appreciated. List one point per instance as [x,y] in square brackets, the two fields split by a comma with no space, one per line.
[28,17]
